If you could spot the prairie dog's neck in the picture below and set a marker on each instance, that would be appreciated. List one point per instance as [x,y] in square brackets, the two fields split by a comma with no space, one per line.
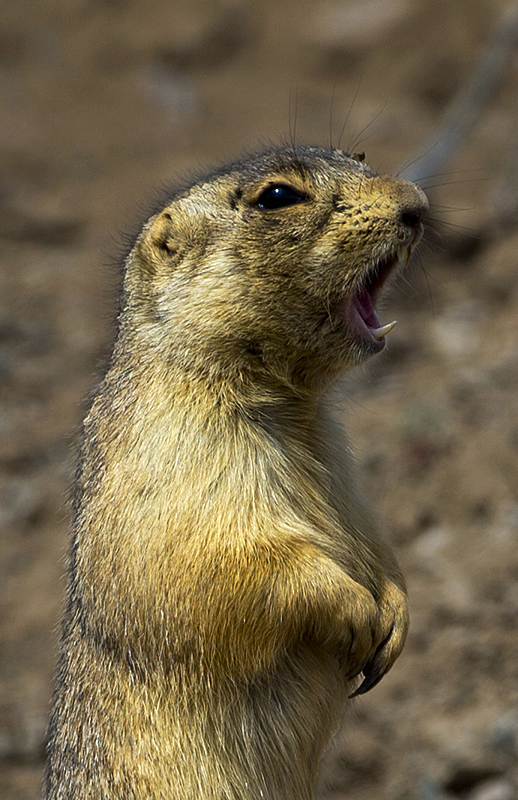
[169,418]
[219,397]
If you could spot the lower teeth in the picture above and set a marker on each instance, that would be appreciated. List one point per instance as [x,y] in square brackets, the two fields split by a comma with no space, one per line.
[379,333]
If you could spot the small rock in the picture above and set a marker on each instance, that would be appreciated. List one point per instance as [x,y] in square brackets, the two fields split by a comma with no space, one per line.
[357,24]
[465,778]
[429,789]
[494,790]
[504,736]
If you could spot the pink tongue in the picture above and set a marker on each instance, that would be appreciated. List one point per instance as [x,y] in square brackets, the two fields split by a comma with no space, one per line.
[365,307]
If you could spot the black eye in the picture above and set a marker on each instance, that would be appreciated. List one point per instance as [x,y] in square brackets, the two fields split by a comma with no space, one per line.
[279,196]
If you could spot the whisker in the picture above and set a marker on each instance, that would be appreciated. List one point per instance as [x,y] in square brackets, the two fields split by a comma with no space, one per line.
[349,112]
[454,226]
[413,161]
[357,140]
[453,183]
[331,114]
[450,209]
[446,174]
[437,234]
[430,295]
[293,107]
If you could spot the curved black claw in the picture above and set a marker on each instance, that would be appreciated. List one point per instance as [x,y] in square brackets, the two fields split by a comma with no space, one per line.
[375,668]
[370,680]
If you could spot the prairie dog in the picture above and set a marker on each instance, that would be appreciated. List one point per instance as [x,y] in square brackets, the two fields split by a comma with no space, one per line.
[228,587]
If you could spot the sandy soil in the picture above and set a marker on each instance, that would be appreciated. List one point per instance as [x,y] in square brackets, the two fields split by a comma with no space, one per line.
[105,100]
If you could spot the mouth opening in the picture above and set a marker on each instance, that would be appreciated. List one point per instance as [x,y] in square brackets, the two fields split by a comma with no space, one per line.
[362,311]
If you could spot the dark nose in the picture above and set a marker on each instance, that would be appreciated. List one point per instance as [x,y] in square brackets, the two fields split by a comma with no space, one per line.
[412,217]
[405,204]
[409,202]
[413,205]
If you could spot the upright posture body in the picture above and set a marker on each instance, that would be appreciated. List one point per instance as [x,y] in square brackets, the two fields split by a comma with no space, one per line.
[228,588]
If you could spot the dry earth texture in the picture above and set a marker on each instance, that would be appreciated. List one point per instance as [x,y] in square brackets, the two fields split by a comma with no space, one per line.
[104,100]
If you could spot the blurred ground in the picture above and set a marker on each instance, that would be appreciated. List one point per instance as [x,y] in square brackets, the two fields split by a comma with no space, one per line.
[103,101]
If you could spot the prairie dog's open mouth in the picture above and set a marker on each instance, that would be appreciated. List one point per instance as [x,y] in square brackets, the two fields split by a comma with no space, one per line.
[361,313]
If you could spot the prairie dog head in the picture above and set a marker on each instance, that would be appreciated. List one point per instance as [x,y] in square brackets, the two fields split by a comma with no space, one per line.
[274,264]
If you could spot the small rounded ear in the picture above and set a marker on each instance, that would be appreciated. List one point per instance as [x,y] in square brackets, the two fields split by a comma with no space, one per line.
[157,245]
[163,236]
[170,238]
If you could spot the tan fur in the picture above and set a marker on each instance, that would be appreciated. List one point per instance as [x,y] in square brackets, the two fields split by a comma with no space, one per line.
[227,581]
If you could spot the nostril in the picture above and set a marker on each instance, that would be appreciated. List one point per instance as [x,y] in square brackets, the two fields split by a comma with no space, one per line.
[411,219]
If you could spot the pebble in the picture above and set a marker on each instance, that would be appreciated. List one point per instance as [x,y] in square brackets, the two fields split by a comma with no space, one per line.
[357,24]
[504,736]
[494,790]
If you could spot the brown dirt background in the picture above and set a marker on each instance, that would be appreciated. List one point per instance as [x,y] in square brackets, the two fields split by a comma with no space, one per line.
[101,102]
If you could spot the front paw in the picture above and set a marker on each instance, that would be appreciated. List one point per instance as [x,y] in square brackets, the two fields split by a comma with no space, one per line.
[391,631]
